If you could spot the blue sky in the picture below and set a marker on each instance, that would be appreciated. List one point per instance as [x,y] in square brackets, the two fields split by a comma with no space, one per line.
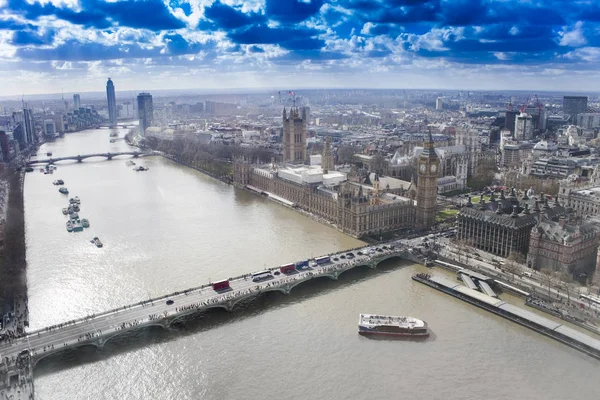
[49,45]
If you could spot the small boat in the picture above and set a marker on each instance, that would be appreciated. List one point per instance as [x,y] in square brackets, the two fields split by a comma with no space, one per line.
[74,216]
[77,200]
[58,182]
[114,134]
[129,163]
[65,211]
[97,242]
[49,153]
[77,227]
[28,169]
[41,169]
[69,226]
[140,168]
[369,324]
[85,223]
[64,190]
[76,207]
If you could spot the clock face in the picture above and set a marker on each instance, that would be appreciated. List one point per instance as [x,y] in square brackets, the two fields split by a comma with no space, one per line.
[433,167]
[422,167]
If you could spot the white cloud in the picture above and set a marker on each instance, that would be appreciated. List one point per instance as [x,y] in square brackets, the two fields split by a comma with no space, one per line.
[574,37]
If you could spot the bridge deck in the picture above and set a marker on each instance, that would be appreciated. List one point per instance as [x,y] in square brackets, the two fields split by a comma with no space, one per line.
[86,156]
[98,328]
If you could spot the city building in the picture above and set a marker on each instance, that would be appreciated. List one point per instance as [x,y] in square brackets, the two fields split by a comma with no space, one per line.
[112,103]
[574,105]
[503,226]
[360,208]
[582,197]
[469,137]
[560,247]
[524,127]
[427,186]
[439,103]
[327,158]
[49,128]
[588,120]
[145,111]
[24,128]
[76,101]
[294,136]
[4,147]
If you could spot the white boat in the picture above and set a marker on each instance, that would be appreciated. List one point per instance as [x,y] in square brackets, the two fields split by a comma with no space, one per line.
[69,226]
[371,324]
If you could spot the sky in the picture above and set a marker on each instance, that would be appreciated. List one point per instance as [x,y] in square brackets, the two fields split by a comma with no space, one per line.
[47,46]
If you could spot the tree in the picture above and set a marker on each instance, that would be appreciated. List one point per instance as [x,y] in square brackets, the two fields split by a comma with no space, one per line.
[345,154]
[514,263]
[484,175]
[378,164]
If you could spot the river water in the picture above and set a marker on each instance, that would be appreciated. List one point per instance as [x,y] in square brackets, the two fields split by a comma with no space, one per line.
[171,228]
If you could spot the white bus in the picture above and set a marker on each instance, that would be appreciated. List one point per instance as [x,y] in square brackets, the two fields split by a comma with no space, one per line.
[261,276]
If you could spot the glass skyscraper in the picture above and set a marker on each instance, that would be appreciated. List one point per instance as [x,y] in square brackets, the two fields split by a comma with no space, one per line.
[112,103]
[145,111]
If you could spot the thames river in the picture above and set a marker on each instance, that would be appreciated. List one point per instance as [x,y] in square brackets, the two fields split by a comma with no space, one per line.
[171,228]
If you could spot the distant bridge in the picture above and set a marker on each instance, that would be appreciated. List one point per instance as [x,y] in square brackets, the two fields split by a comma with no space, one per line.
[80,157]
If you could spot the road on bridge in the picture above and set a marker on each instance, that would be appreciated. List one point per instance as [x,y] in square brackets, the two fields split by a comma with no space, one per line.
[95,329]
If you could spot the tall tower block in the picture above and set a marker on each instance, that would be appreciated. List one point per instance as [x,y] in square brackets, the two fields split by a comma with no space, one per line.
[294,136]
[112,103]
[428,166]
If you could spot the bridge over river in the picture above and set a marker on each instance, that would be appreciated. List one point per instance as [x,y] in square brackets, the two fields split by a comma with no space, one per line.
[19,357]
[81,157]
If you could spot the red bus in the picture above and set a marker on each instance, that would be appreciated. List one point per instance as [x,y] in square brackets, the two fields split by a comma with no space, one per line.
[220,285]
[287,268]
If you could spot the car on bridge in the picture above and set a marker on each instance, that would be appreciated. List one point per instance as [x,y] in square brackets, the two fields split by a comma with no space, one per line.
[170,302]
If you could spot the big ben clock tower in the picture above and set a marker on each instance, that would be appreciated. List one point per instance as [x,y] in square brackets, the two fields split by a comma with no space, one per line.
[427,185]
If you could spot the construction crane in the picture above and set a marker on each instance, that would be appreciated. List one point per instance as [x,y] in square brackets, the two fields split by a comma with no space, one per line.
[524,105]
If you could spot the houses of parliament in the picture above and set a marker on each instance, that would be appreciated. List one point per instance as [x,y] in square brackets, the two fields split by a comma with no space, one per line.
[358,207]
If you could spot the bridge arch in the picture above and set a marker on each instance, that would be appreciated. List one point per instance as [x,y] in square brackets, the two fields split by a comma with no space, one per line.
[293,284]
[364,264]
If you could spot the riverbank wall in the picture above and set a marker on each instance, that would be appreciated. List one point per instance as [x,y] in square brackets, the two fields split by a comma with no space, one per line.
[541,325]
[13,281]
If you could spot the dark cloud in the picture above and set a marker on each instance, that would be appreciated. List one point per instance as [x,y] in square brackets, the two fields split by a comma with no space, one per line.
[11,25]
[288,38]
[29,38]
[177,45]
[74,50]
[227,17]
[148,14]
[292,10]
[255,49]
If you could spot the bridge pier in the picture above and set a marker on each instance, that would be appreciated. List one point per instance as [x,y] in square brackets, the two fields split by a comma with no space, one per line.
[109,156]
[79,159]
[135,155]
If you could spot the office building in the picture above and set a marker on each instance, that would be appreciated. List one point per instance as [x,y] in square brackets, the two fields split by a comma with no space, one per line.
[503,226]
[561,247]
[112,103]
[439,104]
[77,101]
[574,105]
[524,127]
[588,120]
[49,128]
[145,111]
